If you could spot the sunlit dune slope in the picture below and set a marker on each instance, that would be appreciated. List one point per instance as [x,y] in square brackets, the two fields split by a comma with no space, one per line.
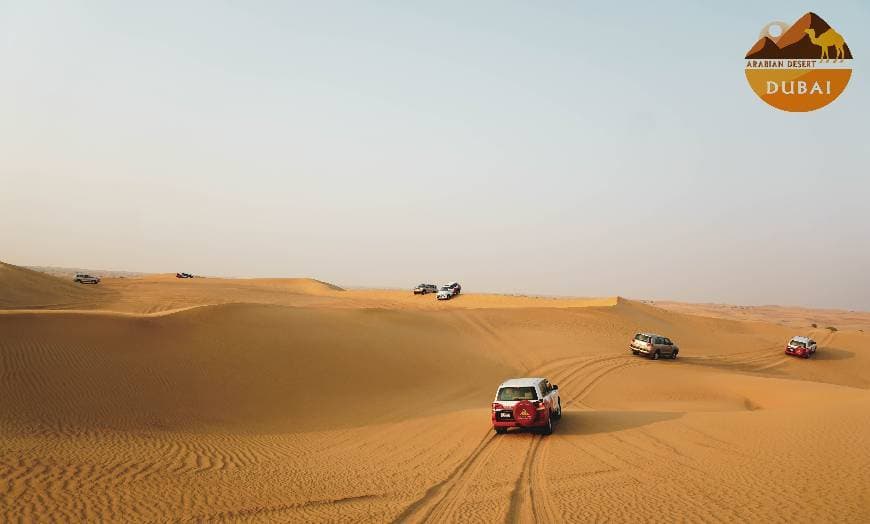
[796,317]
[22,288]
[290,285]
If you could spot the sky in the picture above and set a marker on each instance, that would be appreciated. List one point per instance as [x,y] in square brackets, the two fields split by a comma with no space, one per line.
[557,148]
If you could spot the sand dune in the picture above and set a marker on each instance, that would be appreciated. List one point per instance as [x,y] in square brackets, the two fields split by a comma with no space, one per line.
[22,288]
[798,317]
[164,292]
[294,400]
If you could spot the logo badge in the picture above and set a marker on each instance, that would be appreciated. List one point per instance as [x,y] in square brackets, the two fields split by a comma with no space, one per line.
[799,67]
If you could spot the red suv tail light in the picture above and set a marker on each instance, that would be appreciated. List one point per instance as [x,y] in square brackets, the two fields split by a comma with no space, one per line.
[496,406]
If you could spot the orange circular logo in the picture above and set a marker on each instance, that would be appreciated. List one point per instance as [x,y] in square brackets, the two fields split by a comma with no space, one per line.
[799,67]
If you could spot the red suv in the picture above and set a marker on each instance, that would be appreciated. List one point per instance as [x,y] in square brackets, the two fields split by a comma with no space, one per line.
[801,346]
[526,403]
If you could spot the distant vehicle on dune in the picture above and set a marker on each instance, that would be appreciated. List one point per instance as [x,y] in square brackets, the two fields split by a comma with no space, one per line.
[424,289]
[83,278]
[183,275]
[449,291]
[804,347]
[653,346]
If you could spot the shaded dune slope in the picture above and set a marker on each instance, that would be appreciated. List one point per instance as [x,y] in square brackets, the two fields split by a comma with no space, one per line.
[235,368]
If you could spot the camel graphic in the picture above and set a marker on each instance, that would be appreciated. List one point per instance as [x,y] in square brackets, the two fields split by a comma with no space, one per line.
[827,39]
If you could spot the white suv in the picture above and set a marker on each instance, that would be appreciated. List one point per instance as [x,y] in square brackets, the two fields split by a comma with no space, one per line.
[449,291]
[83,278]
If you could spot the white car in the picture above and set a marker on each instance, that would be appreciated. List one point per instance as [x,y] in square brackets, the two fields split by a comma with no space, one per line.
[83,278]
[449,291]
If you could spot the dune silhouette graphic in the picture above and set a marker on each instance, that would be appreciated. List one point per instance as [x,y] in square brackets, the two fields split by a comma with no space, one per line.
[810,37]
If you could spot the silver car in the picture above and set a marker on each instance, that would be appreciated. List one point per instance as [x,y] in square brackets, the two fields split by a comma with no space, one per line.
[654,346]
[83,278]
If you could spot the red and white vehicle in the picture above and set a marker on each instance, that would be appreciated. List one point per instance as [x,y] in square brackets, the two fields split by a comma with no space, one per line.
[526,403]
[801,347]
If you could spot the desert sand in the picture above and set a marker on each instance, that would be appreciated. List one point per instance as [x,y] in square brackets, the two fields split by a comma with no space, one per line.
[158,399]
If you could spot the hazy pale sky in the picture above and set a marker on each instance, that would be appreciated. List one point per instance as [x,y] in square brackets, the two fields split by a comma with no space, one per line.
[542,147]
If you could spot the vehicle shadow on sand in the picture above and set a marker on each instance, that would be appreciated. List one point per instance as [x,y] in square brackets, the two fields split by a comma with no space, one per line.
[592,422]
[826,353]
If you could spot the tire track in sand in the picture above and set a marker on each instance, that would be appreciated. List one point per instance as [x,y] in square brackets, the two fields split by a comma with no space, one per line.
[439,503]
[587,383]
[531,498]
[522,506]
